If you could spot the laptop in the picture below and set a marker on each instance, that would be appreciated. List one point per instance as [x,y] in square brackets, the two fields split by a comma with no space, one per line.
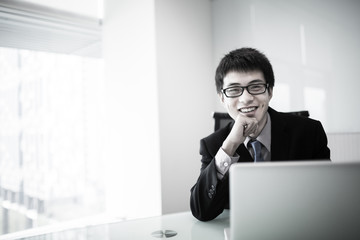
[294,200]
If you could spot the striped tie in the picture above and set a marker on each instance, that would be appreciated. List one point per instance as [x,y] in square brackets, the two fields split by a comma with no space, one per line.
[256,145]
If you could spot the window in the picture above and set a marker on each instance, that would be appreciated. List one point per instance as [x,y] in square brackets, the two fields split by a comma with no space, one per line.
[50,116]
[50,138]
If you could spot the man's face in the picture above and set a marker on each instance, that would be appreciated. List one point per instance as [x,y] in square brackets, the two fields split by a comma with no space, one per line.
[253,106]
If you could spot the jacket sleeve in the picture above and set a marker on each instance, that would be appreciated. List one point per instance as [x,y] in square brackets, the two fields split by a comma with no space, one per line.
[209,196]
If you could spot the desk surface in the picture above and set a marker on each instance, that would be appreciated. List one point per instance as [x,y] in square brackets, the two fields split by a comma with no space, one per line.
[178,226]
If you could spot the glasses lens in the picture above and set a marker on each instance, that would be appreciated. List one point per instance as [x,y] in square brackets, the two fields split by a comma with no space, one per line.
[257,88]
[233,92]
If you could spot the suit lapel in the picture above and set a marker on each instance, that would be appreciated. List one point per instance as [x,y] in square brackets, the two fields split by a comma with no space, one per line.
[244,154]
[279,137]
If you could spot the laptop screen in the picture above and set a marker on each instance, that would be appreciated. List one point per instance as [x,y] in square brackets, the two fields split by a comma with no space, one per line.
[295,200]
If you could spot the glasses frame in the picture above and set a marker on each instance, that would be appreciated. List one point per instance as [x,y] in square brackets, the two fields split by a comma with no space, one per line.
[247,89]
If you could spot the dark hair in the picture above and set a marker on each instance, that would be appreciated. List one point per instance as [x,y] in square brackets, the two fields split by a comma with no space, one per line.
[244,60]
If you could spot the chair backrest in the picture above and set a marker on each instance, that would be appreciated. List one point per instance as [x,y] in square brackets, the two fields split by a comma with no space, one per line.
[221,119]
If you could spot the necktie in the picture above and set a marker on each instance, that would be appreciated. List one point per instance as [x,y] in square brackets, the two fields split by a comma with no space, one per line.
[256,145]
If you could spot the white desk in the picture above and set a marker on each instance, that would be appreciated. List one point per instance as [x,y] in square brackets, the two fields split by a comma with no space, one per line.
[184,225]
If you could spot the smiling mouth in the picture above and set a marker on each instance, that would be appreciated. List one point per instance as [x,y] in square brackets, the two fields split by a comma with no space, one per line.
[247,109]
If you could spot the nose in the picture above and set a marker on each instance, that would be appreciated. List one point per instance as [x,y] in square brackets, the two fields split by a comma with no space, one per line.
[246,97]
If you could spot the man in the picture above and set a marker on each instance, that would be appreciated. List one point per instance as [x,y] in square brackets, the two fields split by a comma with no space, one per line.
[244,81]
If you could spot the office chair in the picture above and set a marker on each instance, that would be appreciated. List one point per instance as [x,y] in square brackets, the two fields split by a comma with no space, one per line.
[222,119]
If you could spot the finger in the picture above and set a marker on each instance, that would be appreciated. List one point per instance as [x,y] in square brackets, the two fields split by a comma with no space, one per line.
[250,128]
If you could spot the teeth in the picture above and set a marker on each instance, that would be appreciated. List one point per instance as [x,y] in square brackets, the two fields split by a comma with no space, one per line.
[246,110]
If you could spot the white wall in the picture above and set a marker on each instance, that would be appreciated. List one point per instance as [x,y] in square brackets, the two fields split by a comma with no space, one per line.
[160,95]
[313,46]
[344,147]
[186,94]
[133,143]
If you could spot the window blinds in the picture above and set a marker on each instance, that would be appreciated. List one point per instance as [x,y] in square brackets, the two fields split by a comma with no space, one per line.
[30,26]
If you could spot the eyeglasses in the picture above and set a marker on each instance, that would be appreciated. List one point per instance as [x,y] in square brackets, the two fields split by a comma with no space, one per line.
[253,89]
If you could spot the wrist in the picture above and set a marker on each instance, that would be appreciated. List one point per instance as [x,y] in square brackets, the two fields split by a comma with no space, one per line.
[229,147]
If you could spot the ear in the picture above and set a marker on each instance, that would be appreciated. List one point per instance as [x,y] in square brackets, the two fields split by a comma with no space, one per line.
[221,97]
[270,92]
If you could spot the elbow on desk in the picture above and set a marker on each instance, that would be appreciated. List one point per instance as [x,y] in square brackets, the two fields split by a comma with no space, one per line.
[200,213]
[202,217]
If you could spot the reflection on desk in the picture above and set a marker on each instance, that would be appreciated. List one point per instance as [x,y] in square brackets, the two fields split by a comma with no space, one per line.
[178,226]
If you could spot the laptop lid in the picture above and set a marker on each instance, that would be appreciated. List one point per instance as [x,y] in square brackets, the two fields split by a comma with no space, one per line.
[295,200]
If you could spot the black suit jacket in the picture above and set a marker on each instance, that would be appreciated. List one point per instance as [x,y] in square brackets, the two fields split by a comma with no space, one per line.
[292,138]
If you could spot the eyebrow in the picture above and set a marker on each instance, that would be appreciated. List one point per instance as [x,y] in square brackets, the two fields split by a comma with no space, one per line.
[255,81]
